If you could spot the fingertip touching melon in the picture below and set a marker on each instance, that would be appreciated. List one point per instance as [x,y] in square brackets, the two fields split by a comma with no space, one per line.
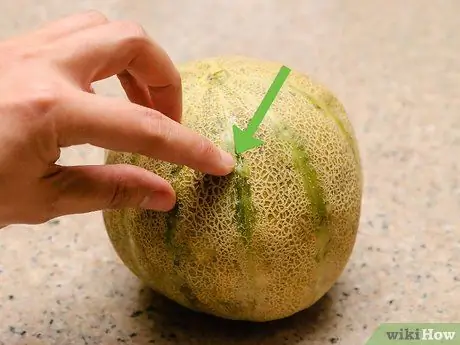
[271,238]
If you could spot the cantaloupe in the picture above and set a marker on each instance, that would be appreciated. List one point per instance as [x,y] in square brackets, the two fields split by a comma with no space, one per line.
[271,238]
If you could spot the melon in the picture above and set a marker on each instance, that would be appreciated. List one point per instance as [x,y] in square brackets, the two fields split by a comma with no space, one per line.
[272,237]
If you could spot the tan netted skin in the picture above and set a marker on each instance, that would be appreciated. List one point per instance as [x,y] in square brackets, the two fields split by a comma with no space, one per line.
[286,242]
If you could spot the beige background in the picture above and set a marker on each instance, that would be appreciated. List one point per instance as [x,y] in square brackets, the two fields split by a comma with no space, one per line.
[394,64]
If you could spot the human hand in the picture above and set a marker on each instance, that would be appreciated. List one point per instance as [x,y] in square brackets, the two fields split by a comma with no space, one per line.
[47,103]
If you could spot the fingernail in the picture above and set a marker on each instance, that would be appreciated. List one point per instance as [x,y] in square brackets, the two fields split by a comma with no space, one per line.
[227,159]
[158,201]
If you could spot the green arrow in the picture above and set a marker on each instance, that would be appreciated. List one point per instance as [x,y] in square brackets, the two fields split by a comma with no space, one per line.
[244,139]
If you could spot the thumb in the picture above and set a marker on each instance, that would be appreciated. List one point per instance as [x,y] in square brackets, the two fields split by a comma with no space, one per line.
[82,189]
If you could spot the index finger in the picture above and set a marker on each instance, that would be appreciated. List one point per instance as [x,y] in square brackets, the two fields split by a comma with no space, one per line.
[119,46]
[86,118]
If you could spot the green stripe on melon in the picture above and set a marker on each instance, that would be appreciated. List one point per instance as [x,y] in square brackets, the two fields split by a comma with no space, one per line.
[245,216]
[269,239]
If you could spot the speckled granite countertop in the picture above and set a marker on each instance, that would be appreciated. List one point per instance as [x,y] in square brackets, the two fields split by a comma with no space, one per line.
[394,64]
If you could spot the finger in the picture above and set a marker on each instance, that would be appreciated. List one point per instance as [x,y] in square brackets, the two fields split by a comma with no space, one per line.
[119,46]
[65,26]
[135,91]
[84,118]
[82,189]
